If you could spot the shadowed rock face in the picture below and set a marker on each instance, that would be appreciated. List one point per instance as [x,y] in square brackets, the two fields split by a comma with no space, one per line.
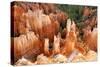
[31,16]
